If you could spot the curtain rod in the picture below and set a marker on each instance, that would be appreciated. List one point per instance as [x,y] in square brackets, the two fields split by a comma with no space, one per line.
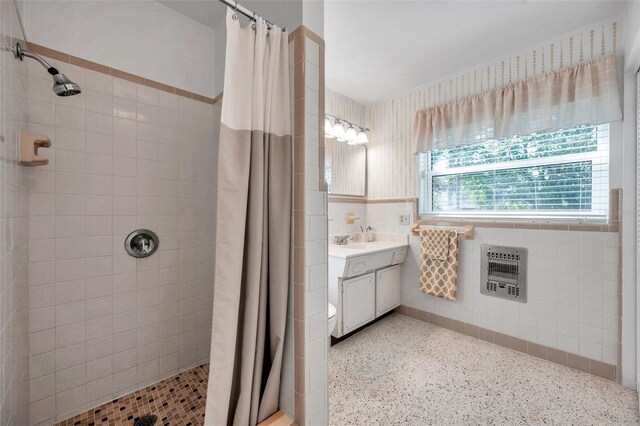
[237,7]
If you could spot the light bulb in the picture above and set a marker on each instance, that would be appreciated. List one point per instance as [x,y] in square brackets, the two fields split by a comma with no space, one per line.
[351,134]
[338,131]
[327,127]
[362,137]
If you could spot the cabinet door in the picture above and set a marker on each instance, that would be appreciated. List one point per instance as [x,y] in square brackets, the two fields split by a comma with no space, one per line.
[358,302]
[387,289]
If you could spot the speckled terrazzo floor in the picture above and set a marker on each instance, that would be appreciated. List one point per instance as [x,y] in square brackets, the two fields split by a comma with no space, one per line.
[401,371]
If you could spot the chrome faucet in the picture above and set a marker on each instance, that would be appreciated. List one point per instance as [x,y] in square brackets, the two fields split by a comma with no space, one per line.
[343,240]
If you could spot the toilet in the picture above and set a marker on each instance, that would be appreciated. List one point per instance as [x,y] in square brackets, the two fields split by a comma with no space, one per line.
[333,318]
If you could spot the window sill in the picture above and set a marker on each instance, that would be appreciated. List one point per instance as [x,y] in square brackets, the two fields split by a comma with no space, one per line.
[510,223]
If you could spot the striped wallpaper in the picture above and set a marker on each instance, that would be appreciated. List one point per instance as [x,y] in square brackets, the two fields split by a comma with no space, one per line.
[340,106]
[348,162]
[393,167]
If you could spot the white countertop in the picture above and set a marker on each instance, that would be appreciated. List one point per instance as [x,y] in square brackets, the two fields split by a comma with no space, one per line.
[359,248]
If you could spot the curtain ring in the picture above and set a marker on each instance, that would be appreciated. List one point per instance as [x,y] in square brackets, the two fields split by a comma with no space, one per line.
[235,12]
[253,26]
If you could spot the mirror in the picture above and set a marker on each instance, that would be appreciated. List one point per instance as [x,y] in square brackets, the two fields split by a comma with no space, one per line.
[345,168]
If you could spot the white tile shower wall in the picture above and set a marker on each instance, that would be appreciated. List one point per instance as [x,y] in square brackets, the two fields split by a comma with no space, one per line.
[316,298]
[14,319]
[571,302]
[337,216]
[124,157]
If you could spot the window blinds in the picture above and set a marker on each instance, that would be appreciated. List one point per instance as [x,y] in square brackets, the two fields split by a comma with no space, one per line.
[559,174]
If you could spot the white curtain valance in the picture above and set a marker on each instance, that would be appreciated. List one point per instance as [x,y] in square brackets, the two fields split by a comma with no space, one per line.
[583,94]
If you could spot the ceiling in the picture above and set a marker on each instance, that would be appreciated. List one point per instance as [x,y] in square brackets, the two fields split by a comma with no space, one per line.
[376,49]
[211,13]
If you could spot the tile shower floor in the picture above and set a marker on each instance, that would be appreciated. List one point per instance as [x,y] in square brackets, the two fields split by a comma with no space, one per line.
[401,371]
[177,401]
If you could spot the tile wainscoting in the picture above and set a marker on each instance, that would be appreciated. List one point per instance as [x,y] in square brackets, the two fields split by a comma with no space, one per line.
[598,368]
[574,284]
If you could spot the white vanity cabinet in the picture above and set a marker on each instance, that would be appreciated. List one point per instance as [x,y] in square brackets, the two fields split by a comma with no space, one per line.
[387,289]
[364,282]
[358,302]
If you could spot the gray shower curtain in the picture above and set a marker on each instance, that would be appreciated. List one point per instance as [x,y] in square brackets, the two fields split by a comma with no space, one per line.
[253,227]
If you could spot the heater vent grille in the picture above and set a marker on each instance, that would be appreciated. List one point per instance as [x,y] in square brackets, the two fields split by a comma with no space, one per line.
[504,272]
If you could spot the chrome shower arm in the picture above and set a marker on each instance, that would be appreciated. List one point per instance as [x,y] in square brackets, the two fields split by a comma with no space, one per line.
[62,86]
[20,53]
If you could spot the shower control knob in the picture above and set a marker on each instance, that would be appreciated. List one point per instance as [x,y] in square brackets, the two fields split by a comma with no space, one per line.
[141,243]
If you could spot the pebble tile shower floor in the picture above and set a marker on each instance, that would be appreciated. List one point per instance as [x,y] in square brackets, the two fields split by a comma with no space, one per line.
[177,401]
[401,371]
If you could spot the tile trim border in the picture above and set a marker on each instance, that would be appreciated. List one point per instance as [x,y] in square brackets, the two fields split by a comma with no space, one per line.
[303,32]
[612,225]
[346,199]
[618,194]
[299,378]
[277,419]
[577,362]
[94,66]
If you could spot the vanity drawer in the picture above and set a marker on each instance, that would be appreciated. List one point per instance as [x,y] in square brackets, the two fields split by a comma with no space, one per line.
[364,264]
[399,256]
[357,266]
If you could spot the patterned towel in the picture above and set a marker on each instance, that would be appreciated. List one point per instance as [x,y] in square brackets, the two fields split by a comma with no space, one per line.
[435,244]
[439,274]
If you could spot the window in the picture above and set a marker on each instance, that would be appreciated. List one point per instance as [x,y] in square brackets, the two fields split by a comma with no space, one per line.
[327,178]
[560,174]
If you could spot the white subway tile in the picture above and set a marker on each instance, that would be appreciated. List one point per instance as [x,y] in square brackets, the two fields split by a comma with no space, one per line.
[72,399]
[43,410]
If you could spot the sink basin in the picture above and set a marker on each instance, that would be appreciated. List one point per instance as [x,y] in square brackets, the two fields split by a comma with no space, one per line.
[358,246]
[362,248]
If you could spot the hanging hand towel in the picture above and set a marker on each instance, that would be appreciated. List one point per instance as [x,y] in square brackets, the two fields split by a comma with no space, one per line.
[435,245]
[439,262]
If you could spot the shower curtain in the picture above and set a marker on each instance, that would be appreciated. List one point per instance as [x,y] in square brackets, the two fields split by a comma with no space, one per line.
[253,227]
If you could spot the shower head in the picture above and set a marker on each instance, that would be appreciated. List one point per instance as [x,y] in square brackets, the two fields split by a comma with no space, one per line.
[62,86]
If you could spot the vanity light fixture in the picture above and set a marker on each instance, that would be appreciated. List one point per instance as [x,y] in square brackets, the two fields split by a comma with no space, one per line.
[354,134]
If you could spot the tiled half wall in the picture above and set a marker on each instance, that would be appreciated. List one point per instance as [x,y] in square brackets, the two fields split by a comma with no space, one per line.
[126,154]
[574,283]
[310,231]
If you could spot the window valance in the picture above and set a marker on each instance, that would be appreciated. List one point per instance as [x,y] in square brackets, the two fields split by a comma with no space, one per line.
[586,93]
